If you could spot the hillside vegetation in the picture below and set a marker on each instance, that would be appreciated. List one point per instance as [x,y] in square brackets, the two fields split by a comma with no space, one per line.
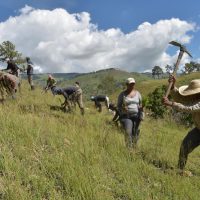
[48,154]
[90,82]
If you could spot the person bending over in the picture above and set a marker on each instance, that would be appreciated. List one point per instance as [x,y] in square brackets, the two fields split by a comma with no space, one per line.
[97,101]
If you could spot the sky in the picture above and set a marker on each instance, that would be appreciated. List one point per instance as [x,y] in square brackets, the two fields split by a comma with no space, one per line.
[88,35]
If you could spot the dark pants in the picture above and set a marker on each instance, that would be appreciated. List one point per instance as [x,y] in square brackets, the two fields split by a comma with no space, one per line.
[30,81]
[189,143]
[98,106]
[131,126]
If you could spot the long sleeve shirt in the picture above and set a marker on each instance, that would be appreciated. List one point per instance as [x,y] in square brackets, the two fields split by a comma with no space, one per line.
[192,106]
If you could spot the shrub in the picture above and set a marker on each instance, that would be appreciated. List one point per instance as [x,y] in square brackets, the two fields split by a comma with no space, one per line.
[158,110]
[155,102]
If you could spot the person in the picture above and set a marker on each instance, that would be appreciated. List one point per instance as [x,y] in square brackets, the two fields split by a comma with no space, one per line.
[79,97]
[100,98]
[30,72]
[51,83]
[71,93]
[113,108]
[129,106]
[187,99]
[8,84]
[12,68]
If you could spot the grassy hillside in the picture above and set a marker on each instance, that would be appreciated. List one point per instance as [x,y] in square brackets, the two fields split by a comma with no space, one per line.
[48,154]
[89,82]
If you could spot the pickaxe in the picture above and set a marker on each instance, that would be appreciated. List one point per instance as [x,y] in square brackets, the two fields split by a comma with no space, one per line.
[182,51]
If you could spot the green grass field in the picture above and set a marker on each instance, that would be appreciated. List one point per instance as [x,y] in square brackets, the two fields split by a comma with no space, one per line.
[48,154]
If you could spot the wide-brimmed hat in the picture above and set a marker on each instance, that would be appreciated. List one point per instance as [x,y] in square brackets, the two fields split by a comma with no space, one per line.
[191,89]
[130,80]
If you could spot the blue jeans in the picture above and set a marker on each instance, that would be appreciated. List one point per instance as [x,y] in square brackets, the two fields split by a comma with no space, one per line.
[131,127]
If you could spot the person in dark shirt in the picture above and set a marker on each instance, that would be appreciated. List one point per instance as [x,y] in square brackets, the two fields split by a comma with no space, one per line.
[12,68]
[30,72]
[100,98]
[70,94]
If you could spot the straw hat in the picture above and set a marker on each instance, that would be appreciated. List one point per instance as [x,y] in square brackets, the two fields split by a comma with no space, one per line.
[192,88]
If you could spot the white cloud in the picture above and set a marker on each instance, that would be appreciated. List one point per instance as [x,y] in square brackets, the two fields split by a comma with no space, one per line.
[26,9]
[58,41]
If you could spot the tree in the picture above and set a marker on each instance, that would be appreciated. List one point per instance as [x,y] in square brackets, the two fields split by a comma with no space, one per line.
[188,68]
[157,71]
[7,50]
[169,69]
[191,67]
[196,66]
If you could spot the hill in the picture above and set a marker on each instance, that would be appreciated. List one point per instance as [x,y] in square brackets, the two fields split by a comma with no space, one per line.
[108,78]
[91,82]
[48,154]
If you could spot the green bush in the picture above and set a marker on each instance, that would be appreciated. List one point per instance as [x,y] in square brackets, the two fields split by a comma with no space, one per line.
[158,110]
[155,102]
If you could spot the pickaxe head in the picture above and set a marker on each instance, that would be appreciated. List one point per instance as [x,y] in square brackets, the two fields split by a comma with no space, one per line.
[182,47]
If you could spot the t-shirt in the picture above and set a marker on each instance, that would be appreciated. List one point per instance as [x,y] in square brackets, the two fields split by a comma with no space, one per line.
[13,68]
[100,98]
[127,105]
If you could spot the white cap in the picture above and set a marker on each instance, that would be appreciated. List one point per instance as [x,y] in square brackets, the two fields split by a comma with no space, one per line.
[7,59]
[130,80]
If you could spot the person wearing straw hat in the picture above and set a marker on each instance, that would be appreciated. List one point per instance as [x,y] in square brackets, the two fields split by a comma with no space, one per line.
[187,99]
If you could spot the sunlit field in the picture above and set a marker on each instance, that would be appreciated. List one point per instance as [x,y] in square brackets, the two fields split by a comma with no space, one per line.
[46,153]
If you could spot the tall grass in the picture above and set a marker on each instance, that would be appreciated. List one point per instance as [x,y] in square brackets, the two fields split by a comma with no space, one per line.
[48,154]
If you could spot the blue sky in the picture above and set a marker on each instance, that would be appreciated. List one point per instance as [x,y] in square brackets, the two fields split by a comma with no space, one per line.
[124,15]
